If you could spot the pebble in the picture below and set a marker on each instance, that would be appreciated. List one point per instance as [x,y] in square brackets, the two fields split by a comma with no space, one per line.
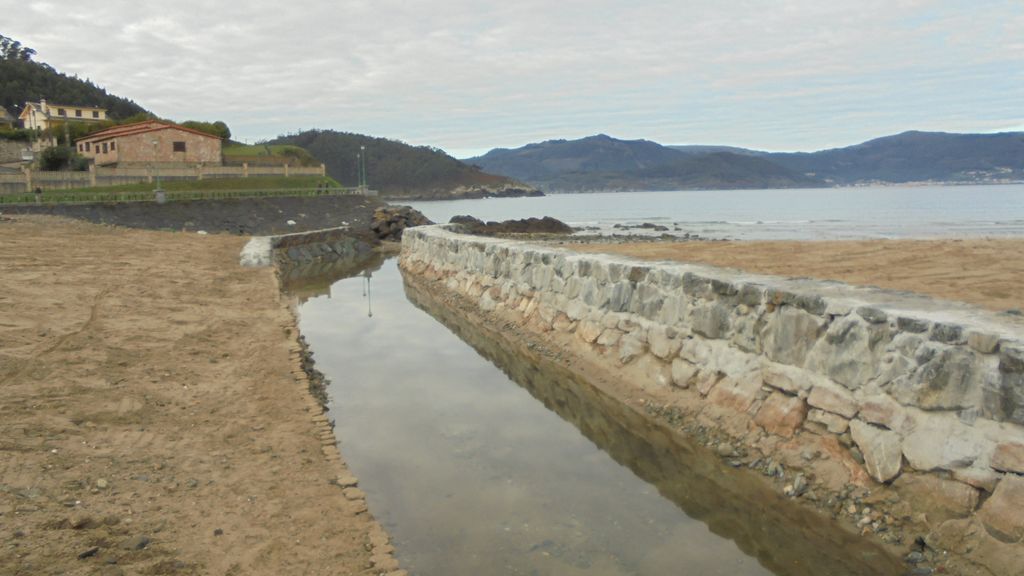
[137,543]
[218,532]
[102,483]
[89,553]
[914,557]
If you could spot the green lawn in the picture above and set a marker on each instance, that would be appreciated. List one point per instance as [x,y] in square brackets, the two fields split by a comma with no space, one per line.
[253,187]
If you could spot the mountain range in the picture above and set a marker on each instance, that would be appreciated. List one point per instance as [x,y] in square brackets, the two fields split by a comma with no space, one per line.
[604,163]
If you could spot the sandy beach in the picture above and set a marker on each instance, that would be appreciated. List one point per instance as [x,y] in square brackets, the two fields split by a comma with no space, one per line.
[984,272]
[151,420]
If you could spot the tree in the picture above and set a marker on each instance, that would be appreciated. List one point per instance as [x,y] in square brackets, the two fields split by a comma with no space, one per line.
[25,80]
[218,128]
[11,49]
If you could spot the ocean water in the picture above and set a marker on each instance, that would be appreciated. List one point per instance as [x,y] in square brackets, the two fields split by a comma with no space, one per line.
[796,214]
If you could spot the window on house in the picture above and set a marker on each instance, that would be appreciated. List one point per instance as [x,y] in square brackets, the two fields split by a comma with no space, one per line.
[95,114]
[88,146]
[113,145]
[104,147]
[78,113]
[179,147]
[62,112]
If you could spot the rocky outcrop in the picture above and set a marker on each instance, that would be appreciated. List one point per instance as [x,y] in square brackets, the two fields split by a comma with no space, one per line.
[901,391]
[389,221]
[545,225]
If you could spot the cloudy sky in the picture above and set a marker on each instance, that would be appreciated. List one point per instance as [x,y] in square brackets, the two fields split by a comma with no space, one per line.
[469,75]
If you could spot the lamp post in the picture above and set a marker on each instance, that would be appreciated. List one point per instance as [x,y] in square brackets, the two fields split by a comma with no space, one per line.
[359,171]
[159,191]
[362,177]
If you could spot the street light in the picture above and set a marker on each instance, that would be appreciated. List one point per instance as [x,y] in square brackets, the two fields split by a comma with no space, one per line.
[362,177]
[158,192]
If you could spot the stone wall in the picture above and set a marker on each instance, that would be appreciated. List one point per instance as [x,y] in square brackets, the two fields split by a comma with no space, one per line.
[302,253]
[916,391]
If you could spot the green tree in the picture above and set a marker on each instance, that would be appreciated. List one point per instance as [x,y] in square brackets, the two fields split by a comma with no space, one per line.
[218,128]
[11,49]
[25,80]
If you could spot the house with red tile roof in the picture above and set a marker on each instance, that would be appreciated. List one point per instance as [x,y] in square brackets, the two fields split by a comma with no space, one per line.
[151,142]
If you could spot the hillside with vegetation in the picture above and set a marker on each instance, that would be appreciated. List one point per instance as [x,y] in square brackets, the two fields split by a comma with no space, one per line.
[601,162]
[399,170]
[22,79]
[916,157]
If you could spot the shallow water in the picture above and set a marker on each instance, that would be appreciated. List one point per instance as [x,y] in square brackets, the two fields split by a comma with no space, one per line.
[793,214]
[480,459]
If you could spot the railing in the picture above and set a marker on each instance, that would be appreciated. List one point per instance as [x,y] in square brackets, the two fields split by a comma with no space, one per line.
[29,180]
[85,197]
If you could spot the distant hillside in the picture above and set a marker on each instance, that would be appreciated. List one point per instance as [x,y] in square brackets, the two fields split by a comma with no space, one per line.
[605,163]
[708,149]
[916,157]
[399,170]
[23,79]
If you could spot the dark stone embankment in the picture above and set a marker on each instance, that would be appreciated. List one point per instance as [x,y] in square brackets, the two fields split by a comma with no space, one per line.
[248,216]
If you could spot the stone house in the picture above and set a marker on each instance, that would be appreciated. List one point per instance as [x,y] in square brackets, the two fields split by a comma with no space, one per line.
[39,115]
[6,120]
[151,142]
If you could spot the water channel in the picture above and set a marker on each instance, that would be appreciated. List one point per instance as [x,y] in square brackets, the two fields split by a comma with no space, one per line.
[479,458]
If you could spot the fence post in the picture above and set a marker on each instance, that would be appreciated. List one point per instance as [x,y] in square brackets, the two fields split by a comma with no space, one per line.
[285,169]
[149,174]
[199,172]
[323,170]
[92,175]
[28,179]
[245,169]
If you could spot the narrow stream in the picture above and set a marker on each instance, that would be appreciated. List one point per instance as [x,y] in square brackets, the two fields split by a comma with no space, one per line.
[481,460]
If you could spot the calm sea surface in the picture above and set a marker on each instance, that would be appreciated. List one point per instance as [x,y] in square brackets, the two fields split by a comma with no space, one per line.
[828,213]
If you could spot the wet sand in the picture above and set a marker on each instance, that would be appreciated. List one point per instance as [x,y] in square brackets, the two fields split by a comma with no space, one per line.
[150,422]
[984,272]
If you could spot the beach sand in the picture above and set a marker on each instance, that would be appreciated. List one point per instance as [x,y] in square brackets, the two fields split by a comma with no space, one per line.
[984,272]
[150,422]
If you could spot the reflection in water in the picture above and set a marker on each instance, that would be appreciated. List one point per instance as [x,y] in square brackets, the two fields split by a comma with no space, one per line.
[367,275]
[736,504]
[472,475]
[310,280]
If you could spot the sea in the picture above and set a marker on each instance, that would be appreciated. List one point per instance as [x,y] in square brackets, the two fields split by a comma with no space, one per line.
[790,214]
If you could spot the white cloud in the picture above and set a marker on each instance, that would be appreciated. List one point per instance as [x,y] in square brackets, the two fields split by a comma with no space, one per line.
[464,74]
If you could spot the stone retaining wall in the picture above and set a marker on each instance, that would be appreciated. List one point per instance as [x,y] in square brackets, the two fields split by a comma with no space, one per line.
[912,388]
[287,251]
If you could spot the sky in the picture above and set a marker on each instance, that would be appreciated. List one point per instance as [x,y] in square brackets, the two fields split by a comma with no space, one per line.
[467,76]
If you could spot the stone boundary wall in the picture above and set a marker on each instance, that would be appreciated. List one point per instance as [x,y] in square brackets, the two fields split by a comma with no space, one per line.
[910,387]
[287,251]
[30,179]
